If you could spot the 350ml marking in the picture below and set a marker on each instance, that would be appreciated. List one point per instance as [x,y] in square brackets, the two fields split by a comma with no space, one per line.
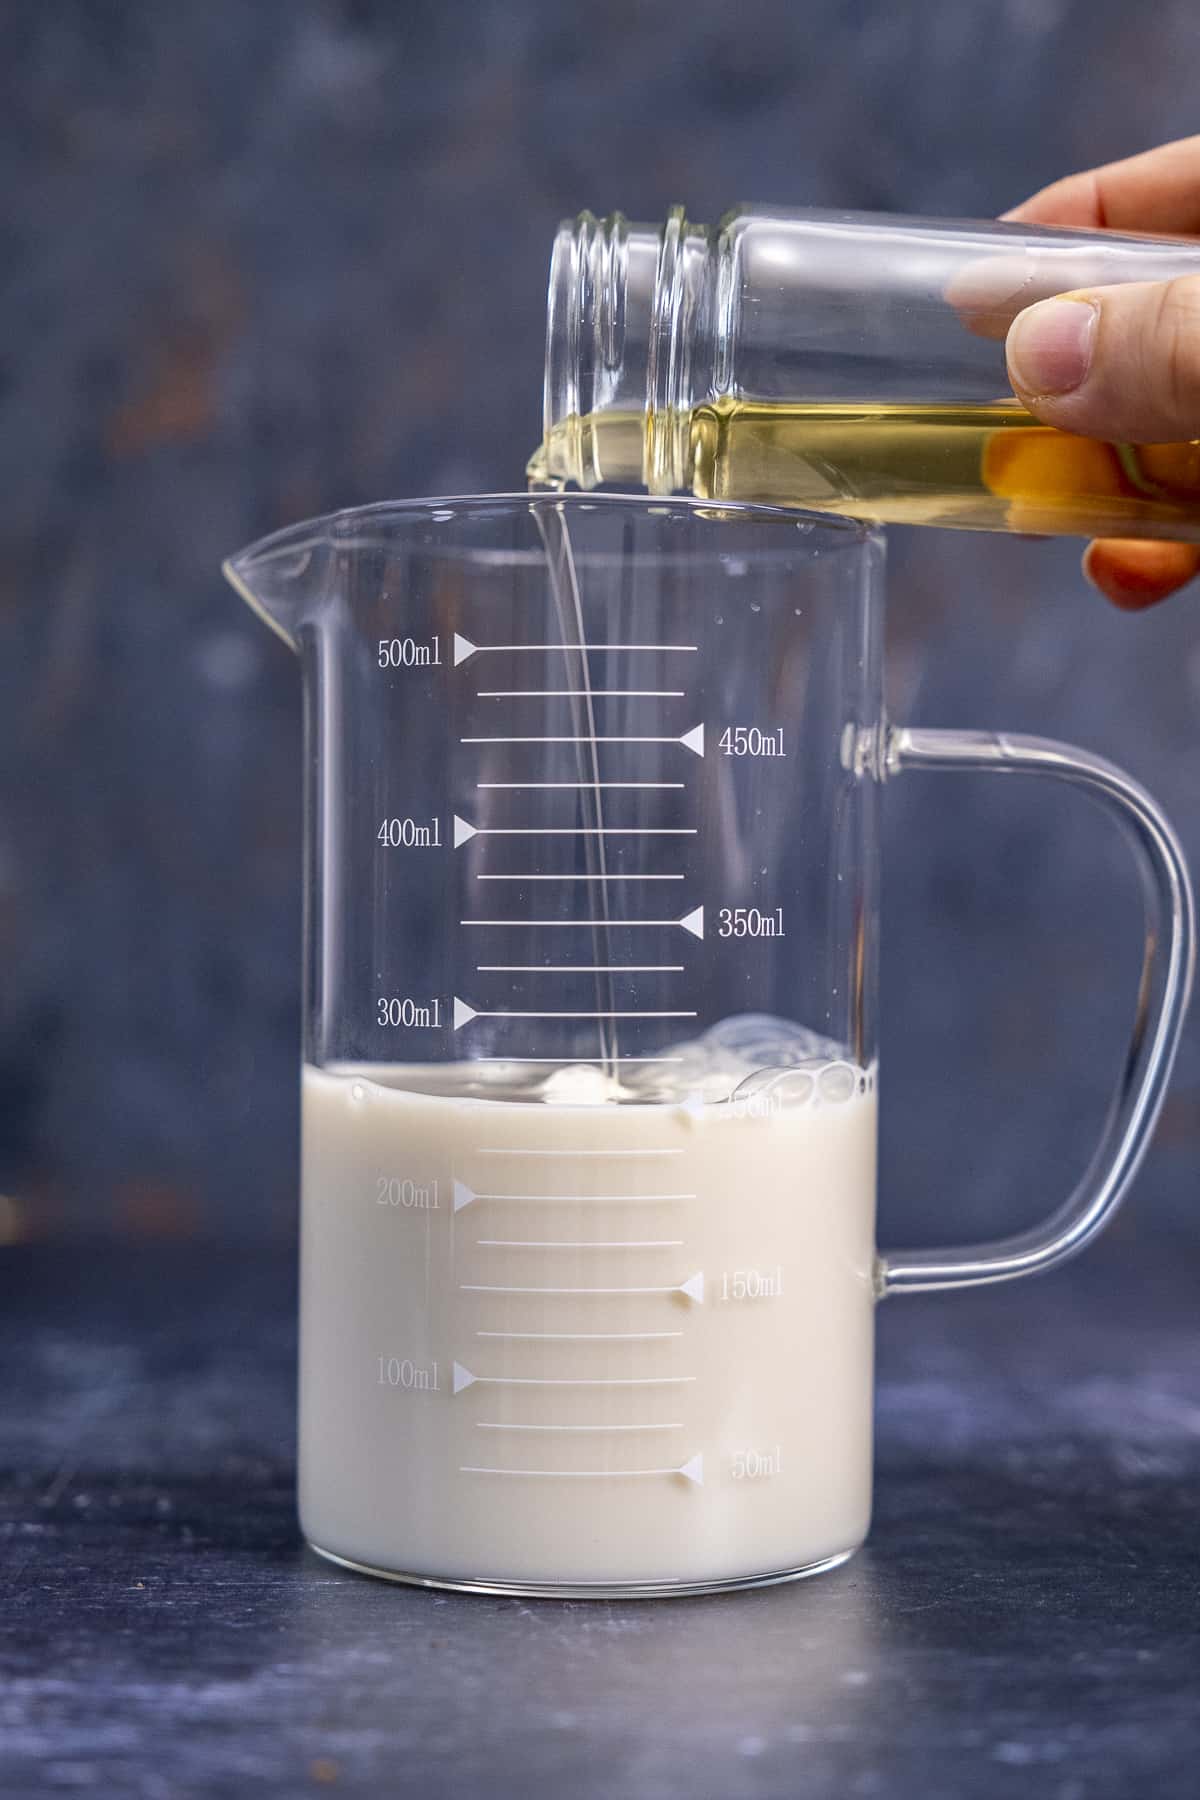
[752,1284]
[399,1012]
[410,653]
[411,1377]
[410,834]
[748,921]
[411,1196]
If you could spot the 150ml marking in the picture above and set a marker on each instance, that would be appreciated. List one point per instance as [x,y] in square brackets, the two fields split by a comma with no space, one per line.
[752,1284]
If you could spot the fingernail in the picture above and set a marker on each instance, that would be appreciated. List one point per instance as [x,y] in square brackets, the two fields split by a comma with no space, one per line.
[1050,346]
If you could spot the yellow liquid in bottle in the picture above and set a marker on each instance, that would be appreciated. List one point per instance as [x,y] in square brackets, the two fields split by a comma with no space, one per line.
[990,467]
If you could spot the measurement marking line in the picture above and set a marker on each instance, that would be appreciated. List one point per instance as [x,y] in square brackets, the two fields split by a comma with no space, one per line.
[523,787]
[505,1150]
[504,1425]
[585,831]
[572,1474]
[601,878]
[578,969]
[604,1381]
[619,1198]
[592,1062]
[513,649]
[635,1013]
[691,922]
[581,693]
[579,1337]
[481,1287]
[575,1244]
[598,738]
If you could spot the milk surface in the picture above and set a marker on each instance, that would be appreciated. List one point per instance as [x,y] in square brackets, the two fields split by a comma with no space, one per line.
[575,1344]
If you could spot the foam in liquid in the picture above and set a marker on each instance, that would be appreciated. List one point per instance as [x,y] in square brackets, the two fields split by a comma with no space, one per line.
[585,1344]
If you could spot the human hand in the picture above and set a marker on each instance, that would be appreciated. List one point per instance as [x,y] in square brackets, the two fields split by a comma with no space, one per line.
[1120,363]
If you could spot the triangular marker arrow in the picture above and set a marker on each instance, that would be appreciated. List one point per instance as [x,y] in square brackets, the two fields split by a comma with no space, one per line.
[694,740]
[694,922]
[462,831]
[463,1378]
[693,1469]
[693,1287]
[463,1195]
[463,1014]
[463,647]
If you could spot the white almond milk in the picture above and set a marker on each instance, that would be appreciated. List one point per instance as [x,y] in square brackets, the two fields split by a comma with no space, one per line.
[568,1345]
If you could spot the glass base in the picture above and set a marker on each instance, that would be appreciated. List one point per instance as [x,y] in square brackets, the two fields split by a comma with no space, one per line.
[591,1590]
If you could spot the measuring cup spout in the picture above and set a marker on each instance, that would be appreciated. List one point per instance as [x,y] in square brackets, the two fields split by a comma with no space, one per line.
[284,578]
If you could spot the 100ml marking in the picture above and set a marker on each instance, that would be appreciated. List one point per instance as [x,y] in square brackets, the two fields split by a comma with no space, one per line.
[752,1284]
[412,1196]
[410,1377]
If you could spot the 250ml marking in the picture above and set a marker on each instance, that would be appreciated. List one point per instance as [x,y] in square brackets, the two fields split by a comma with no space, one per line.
[410,1377]
[756,1465]
[412,1196]
[752,1284]
[397,1012]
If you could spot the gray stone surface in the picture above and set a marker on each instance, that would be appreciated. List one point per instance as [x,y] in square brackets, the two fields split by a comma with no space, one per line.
[259,261]
[1021,1623]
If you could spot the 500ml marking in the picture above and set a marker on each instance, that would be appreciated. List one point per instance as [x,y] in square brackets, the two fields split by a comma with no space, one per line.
[398,1012]
[748,921]
[410,1377]
[756,1465]
[750,740]
[752,1284]
[408,653]
[407,834]
[412,1196]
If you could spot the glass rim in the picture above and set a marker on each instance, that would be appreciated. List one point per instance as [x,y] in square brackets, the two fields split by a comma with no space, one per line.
[341,525]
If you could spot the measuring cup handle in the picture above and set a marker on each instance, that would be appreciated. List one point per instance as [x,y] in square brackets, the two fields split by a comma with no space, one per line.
[1167,966]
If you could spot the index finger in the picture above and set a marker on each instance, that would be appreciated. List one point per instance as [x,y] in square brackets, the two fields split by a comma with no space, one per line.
[1158,190]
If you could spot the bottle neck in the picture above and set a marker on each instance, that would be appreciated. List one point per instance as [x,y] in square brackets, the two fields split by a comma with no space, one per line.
[631,345]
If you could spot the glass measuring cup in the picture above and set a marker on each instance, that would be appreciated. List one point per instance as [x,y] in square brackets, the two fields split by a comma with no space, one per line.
[588,1260]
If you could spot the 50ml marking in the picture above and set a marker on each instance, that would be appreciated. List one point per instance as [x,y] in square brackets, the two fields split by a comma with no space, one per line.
[413,1196]
[752,1284]
[398,1012]
[407,653]
[407,834]
[748,921]
[749,740]
[756,1465]
[411,1377]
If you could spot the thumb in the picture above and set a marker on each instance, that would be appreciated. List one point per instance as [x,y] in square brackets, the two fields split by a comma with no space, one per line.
[1121,363]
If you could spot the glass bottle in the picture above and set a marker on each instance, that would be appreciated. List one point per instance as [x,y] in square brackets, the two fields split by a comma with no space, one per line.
[848,362]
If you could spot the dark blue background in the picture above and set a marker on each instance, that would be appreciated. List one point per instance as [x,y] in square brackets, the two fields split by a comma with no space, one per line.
[259,261]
